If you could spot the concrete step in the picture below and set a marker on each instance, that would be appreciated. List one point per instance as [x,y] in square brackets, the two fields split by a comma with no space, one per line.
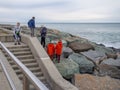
[42,78]
[23,61]
[37,74]
[32,69]
[21,57]
[27,65]
[22,53]
[19,49]
[17,46]
[28,60]
[25,57]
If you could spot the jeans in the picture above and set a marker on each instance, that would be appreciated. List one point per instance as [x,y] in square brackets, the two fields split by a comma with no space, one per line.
[32,32]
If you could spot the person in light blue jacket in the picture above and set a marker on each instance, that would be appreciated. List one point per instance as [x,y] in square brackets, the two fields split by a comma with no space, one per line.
[31,25]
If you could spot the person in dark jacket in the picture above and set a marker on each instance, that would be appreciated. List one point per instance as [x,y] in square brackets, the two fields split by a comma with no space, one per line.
[31,25]
[43,33]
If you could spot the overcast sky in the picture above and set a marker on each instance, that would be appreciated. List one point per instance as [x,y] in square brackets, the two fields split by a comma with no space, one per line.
[60,10]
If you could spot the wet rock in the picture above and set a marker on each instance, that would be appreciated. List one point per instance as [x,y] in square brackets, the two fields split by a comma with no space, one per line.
[112,62]
[85,65]
[109,71]
[114,56]
[80,47]
[94,55]
[52,36]
[89,82]
[67,68]
[103,49]
[67,51]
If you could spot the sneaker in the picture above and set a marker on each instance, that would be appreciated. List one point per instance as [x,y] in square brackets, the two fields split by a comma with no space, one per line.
[15,44]
[18,43]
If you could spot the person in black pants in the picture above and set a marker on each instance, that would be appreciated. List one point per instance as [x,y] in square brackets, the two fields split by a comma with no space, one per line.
[43,33]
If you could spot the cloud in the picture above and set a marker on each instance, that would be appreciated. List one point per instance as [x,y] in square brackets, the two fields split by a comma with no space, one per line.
[60,10]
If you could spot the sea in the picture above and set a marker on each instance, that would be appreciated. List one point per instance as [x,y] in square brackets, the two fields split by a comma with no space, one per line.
[101,33]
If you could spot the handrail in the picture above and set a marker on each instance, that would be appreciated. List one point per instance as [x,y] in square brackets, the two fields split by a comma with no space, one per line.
[12,85]
[30,76]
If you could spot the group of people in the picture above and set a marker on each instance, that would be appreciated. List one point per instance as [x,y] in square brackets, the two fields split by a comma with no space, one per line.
[55,50]
[52,49]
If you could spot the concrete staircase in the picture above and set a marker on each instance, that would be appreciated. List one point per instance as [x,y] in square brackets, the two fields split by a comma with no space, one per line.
[24,54]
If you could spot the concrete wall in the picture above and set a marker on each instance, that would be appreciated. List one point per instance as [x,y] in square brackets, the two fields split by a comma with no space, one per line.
[52,75]
[6,35]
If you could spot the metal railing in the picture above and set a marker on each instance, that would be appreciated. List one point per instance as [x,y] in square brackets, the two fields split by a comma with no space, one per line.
[28,75]
[12,85]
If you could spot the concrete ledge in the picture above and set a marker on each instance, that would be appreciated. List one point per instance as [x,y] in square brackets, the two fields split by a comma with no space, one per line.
[12,73]
[8,37]
[52,75]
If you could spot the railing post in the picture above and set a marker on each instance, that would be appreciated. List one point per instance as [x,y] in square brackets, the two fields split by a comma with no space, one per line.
[25,83]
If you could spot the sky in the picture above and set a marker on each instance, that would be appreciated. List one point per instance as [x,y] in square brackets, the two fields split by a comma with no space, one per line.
[70,11]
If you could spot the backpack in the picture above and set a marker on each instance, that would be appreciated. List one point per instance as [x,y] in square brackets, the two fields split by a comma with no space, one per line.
[29,23]
[43,32]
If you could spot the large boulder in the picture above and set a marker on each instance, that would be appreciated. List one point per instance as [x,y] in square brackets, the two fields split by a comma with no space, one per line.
[67,51]
[109,70]
[89,82]
[85,65]
[52,36]
[80,47]
[103,49]
[94,55]
[67,68]
[112,62]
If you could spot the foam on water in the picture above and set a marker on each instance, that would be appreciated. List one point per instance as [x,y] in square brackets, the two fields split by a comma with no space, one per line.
[103,33]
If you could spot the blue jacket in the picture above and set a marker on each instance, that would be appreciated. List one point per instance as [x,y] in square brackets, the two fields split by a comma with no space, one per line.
[31,23]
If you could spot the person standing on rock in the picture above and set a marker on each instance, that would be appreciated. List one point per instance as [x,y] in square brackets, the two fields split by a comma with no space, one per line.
[16,32]
[43,33]
[51,50]
[58,50]
[31,25]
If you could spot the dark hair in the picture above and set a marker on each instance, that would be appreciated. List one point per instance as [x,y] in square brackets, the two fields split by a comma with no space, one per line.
[33,17]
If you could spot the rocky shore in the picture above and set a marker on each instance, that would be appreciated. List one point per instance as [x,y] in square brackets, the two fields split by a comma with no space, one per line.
[88,65]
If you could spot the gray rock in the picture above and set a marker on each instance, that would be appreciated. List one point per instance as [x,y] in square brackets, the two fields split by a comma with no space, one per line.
[52,36]
[93,54]
[67,51]
[85,65]
[67,68]
[103,49]
[112,62]
[109,70]
[80,47]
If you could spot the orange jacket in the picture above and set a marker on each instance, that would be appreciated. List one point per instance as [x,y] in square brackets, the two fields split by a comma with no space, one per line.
[50,49]
[59,48]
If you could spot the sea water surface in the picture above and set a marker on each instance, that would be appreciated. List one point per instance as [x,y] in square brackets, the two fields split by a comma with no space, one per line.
[101,33]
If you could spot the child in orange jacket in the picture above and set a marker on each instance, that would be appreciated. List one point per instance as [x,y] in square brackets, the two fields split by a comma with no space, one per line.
[51,50]
[58,50]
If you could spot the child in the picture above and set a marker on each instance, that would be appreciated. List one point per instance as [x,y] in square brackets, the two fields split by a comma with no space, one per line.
[16,32]
[58,50]
[51,50]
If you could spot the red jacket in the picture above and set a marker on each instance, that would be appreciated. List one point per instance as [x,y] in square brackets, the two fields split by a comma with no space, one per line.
[50,49]
[59,48]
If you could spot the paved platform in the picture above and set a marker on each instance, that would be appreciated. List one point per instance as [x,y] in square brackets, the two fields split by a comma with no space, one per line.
[11,44]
